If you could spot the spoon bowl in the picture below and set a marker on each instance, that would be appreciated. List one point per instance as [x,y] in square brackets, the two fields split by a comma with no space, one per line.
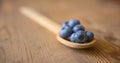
[76,45]
[53,27]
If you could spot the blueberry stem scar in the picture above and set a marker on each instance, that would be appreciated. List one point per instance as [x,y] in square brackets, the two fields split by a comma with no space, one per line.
[52,26]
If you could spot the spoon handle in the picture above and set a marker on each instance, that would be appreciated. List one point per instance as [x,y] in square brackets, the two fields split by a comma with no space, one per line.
[40,19]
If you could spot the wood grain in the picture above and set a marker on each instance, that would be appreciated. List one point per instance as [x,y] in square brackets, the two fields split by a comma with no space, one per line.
[24,41]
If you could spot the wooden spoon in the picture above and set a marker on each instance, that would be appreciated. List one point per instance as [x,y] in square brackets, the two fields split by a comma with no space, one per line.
[53,27]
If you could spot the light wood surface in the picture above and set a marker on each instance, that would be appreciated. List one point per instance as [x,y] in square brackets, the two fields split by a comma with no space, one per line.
[24,41]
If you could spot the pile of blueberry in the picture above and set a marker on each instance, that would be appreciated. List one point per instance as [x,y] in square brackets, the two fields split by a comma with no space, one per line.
[72,30]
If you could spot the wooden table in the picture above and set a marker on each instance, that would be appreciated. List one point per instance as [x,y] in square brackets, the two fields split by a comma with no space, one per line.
[24,41]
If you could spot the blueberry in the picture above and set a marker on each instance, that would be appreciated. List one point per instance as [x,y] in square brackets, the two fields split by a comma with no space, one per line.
[73,22]
[79,36]
[64,24]
[65,32]
[85,38]
[78,27]
[90,36]
[66,27]
[72,38]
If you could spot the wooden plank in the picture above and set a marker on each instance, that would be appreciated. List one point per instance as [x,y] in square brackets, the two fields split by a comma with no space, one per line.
[24,41]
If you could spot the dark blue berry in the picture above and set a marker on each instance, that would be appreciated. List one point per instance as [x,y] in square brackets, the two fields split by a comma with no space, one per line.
[79,36]
[64,24]
[65,32]
[73,22]
[72,37]
[90,36]
[78,27]
[85,38]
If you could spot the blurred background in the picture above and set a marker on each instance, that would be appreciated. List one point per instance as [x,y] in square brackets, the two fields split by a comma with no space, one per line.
[61,10]
[24,41]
